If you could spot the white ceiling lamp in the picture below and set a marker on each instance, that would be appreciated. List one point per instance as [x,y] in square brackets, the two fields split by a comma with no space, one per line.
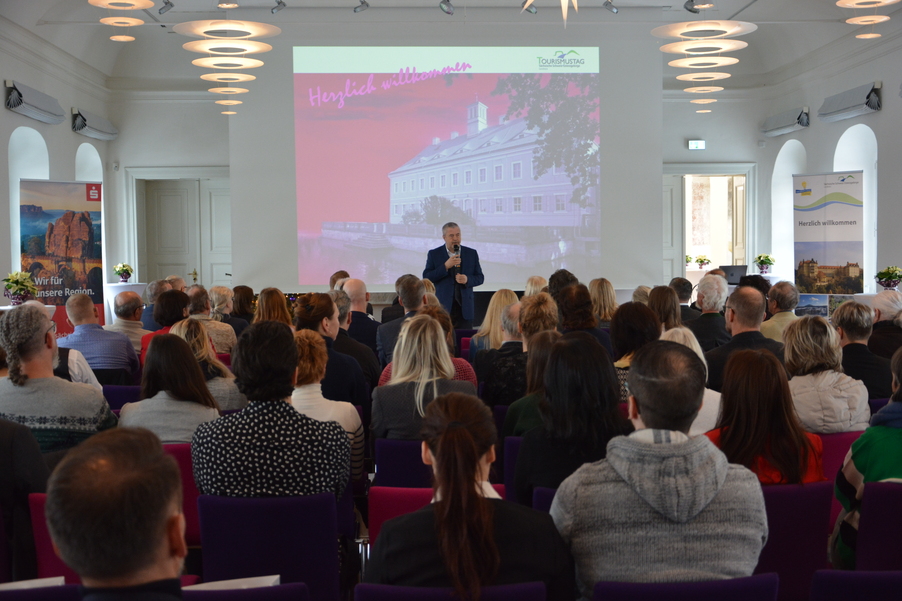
[703,101]
[227,47]
[220,29]
[703,111]
[121,21]
[703,89]
[703,62]
[229,102]
[229,113]
[122,38]
[868,20]
[702,47]
[122,4]
[228,90]
[868,36]
[227,62]
[227,77]
[865,3]
[704,30]
[708,76]
[227,5]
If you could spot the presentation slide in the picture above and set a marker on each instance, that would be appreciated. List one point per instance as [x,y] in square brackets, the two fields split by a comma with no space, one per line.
[391,143]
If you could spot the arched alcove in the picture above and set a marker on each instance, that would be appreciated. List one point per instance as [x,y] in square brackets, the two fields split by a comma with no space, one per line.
[856,150]
[792,159]
[28,159]
[88,166]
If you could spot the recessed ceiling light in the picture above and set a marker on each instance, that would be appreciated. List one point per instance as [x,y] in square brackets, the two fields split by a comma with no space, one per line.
[701,47]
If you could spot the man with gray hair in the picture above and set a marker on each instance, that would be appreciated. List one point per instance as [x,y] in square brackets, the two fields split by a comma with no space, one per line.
[343,342]
[710,327]
[782,298]
[153,292]
[128,308]
[59,413]
[887,334]
[199,308]
[110,354]
[503,370]
[177,282]
[362,326]
[853,322]
[455,271]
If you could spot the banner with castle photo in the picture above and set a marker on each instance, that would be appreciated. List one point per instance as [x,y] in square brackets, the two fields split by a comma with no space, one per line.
[60,234]
[829,232]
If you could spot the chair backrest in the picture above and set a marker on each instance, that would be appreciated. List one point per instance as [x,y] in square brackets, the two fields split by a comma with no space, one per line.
[114,377]
[295,591]
[49,564]
[460,334]
[511,451]
[877,404]
[762,587]
[225,358]
[499,412]
[796,516]
[542,498]
[66,592]
[880,528]
[182,455]
[117,396]
[400,463]
[840,585]
[527,591]
[835,448]
[464,350]
[293,537]
[5,553]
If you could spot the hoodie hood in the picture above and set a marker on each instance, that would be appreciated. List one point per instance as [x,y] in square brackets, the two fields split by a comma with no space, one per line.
[677,479]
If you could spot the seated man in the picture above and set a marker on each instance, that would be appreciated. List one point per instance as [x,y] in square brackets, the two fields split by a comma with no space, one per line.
[129,310]
[782,298]
[683,288]
[110,354]
[114,509]
[60,414]
[362,327]
[222,334]
[662,506]
[153,291]
[710,328]
[503,370]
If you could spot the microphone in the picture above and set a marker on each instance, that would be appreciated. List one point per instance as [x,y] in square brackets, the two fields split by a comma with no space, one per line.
[457,252]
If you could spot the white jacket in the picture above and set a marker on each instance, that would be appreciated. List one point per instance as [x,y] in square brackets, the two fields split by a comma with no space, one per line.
[830,401]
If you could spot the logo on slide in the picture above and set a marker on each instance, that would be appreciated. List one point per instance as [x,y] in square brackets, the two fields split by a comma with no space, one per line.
[561,59]
[804,191]
[845,178]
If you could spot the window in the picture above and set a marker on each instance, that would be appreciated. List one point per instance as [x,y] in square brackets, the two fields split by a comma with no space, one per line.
[516,170]
[518,204]
[559,203]
[396,187]
[481,203]
[422,183]
[444,180]
[412,188]
[431,181]
[468,177]
[536,204]
[499,205]
[454,178]
[482,178]
[397,209]
[499,173]
[403,186]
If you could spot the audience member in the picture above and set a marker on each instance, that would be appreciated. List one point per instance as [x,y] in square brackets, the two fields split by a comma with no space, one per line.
[577,315]
[468,537]
[683,288]
[199,308]
[758,427]
[431,300]
[153,292]
[244,303]
[307,397]
[782,298]
[887,335]
[177,282]
[744,314]
[559,280]
[853,322]
[273,306]
[395,310]
[222,307]
[128,309]
[826,400]
[430,288]
[710,327]
[362,327]
[337,277]
[411,293]
[220,380]
[344,343]
[537,314]
[534,285]
[60,414]
[662,506]
[269,449]
[502,371]
[663,301]
[490,334]
[422,371]
[114,510]
[710,409]
[762,285]
[634,325]
[640,294]
[110,354]
[875,456]
[523,415]
[174,396]
[604,301]
[580,415]
[171,308]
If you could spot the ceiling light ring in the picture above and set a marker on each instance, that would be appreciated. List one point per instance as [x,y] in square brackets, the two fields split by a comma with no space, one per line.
[707,30]
[706,76]
[122,4]
[209,29]
[703,47]
[703,89]
[220,47]
[703,62]
[228,91]
[122,21]
[227,62]
[227,77]
[865,3]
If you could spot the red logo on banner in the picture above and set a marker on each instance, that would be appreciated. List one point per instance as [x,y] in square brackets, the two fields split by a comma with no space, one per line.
[93,192]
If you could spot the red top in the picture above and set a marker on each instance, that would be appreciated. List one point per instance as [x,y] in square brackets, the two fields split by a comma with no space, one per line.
[462,371]
[768,474]
[145,341]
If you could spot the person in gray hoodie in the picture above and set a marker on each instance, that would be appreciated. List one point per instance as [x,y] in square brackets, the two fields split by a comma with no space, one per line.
[661,507]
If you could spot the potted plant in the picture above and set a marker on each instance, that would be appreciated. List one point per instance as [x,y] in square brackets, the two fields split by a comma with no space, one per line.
[764,262]
[702,261]
[688,260]
[124,271]
[19,287]
[889,277]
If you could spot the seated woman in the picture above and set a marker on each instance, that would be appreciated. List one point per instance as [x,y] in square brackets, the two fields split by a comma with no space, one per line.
[578,315]
[171,307]
[174,396]
[468,538]
[523,414]
[272,306]
[489,334]
[422,372]
[244,303]
[222,301]
[580,414]
[220,381]
[826,400]
[665,303]
[707,416]
[308,397]
[758,427]
[604,301]
[634,325]
[534,285]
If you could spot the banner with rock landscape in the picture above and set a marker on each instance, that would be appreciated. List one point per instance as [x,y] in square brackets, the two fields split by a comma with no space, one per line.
[60,232]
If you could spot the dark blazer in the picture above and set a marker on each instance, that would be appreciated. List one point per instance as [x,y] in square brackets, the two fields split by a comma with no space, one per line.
[392,312]
[710,330]
[344,379]
[444,279]
[603,338]
[361,353]
[363,330]
[531,549]
[717,358]
[387,336]
[860,363]
[885,339]
[687,313]
[503,371]
[238,324]
[148,321]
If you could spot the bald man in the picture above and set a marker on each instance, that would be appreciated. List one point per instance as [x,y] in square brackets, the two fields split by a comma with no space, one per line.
[129,309]
[106,352]
[362,327]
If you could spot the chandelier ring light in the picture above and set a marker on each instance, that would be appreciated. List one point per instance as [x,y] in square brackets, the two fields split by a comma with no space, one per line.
[219,29]
[703,62]
[702,47]
[122,4]
[227,62]
[695,30]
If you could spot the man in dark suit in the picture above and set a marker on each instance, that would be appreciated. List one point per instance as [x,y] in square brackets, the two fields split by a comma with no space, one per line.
[683,288]
[412,293]
[854,322]
[343,343]
[362,327]
[710,327]
[455,271]
[744,313]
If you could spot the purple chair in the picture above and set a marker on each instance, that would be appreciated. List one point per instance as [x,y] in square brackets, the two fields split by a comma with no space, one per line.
[458,334]
[5,554]
[542,498]
[400,463]
[836,446]
[511,451]
[527,591]
[795,550]
[839,585]
[762,587]
[880,528]
[499,412]
[296,591]
[117,396]
[877,404]
[293,537]
[66,592]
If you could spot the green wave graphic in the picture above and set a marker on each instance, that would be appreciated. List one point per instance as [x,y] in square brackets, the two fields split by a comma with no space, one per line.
[841,197]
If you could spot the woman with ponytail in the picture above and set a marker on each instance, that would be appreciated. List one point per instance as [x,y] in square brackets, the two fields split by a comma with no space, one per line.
[468,538]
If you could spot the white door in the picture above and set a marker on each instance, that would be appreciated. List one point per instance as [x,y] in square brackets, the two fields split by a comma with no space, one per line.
[673,253]
[215,233]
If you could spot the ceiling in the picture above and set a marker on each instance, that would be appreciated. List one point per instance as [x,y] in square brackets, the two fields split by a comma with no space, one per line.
[788,30]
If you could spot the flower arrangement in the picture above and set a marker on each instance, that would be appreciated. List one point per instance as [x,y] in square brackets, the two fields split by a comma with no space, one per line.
[19,287]
[688,259]
[764,259]
[123,269]
[889,277]
[702,261]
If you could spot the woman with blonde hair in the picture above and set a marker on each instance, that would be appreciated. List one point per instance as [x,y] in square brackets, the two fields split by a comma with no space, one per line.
[489,335]
[640,294]
[272,306]
[663,300]
[604,301]
[826,400]
[422,371]
[534,285]
[220,381]
[710,410]
[221,299]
